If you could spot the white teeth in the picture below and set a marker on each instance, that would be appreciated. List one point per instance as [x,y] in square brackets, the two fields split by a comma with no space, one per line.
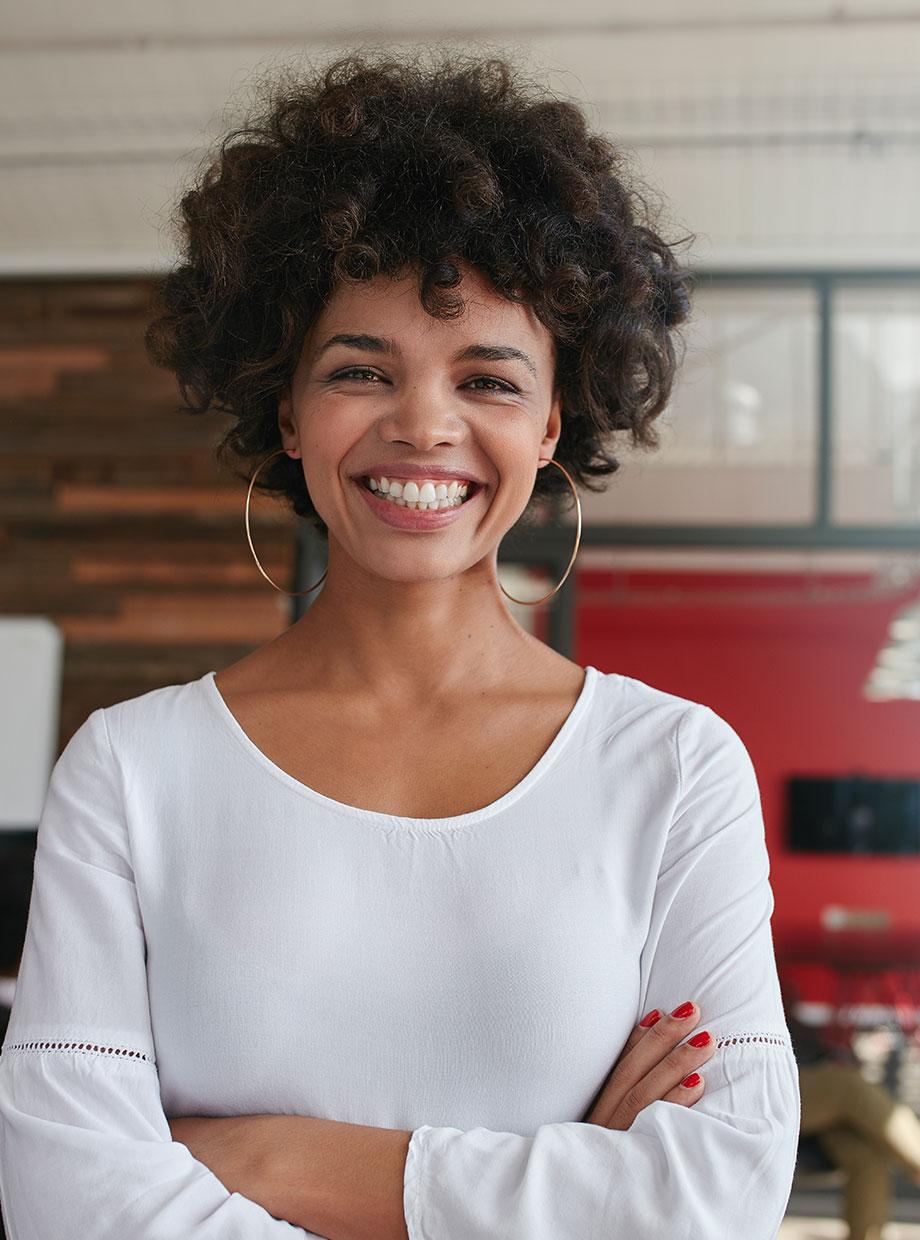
[430,495]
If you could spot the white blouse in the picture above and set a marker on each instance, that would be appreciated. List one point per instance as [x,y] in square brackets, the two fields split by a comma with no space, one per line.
[209,936]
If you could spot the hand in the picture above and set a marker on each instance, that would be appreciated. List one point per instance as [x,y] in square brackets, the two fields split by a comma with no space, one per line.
[650,1069]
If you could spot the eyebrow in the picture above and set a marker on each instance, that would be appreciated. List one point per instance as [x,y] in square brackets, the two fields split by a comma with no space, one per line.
[381,344]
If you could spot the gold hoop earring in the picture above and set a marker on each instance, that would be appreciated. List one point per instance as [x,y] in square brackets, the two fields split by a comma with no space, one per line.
[290,593]
[534,602]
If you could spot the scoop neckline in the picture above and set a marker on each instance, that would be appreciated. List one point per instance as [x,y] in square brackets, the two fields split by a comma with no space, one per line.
[234,729]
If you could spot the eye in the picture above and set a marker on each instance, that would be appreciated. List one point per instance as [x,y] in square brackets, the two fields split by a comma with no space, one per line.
[354,371]
[502,385]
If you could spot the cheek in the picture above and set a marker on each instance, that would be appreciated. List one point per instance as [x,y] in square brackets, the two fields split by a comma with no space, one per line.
[328,445]
[514,458]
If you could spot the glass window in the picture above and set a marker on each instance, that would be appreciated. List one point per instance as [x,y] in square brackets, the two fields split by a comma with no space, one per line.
[739,437]
[876,397]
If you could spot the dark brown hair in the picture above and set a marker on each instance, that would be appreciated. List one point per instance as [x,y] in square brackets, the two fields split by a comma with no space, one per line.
[380,164]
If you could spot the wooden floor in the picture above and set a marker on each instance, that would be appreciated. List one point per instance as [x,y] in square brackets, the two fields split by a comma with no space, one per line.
[817,1216]
[835,1229]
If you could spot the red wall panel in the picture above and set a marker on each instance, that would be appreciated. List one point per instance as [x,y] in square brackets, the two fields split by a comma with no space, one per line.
[789,678]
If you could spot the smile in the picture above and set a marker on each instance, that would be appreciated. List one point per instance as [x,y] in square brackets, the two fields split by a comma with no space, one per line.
[396,512]
[424,495]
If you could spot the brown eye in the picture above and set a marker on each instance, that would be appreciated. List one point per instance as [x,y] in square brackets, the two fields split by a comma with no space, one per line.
[502,385]
[354,370]
[361,372]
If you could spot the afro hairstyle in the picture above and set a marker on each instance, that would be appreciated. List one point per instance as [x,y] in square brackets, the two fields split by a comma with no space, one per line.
[382,163]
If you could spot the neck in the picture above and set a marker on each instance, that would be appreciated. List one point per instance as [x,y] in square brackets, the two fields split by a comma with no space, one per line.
[417,640]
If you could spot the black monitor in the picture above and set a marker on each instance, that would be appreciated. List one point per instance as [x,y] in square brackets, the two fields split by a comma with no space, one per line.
[862,814]
[17,862]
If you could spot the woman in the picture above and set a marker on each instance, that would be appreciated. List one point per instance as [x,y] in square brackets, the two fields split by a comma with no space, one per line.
[401,925]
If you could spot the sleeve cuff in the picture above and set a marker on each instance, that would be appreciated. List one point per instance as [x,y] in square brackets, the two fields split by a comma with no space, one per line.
[412,1184]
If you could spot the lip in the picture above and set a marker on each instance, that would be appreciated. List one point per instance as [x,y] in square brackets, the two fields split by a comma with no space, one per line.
[393,469]
[414,518]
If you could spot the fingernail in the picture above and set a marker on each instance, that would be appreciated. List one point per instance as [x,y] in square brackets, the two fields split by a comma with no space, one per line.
[684,1010]
[700,1039]
[693,1079]
[652,1018]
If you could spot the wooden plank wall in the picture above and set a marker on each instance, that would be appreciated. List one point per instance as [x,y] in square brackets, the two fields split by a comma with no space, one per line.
[115,520]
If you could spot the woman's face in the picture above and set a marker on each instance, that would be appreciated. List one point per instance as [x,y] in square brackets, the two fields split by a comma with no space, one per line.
[472,395]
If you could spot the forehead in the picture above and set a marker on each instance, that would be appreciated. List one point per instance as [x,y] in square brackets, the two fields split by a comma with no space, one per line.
[390,305]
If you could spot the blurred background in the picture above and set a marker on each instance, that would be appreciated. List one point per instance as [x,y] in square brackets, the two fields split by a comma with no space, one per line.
[765,561]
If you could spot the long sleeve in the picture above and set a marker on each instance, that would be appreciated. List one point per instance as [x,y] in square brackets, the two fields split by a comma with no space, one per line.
[85,1147]
[722,1167]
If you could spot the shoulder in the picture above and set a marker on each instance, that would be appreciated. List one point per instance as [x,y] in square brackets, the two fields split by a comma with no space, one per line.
[114,741]
[140,719]
[699,742]
[626,701]
[116,752]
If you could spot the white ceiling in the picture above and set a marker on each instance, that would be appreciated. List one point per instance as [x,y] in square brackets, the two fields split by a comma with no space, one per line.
[43,22]
[779,131]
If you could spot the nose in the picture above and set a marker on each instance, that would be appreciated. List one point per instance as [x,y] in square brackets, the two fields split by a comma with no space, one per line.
[422,416]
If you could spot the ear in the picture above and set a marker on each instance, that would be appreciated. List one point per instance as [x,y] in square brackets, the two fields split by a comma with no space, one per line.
[286,423]
[553,429]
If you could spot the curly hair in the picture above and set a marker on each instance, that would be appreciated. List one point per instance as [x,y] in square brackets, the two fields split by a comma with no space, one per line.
[378,164]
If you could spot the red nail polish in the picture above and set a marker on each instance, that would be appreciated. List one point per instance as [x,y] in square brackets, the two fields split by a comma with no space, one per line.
[693,1079]
[699,1039]
[684,1010]
[651,1019]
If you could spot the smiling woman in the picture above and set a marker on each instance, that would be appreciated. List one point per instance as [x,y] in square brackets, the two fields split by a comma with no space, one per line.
[353,937]
[404,387]
[384,166]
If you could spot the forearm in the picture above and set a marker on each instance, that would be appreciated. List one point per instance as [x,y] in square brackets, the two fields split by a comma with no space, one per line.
[353,1186]
[342,1181]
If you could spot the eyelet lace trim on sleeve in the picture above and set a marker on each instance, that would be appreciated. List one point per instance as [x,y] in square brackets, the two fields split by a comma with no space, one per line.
[774,1039]
[84,1048]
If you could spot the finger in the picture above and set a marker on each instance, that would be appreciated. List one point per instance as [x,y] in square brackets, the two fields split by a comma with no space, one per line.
[656,1039]
[619,1079]
[685,1095]
[639,1031]
[657,1065]
[676,1066]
